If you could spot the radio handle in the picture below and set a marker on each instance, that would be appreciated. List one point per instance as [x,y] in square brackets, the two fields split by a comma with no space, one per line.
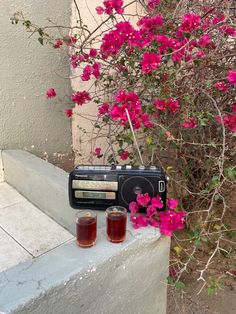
[135,140]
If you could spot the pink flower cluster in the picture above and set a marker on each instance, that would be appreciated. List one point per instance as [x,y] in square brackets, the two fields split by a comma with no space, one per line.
[91,70]
[130,101]
[150,62]
[189,123]
[152,4]
[231,77]
[110,6]
[168,221]
[190,22]
[81,97]
[171,104]
[229,121]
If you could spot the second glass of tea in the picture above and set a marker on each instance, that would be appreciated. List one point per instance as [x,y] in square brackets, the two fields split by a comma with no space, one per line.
[116,223]
[86,228]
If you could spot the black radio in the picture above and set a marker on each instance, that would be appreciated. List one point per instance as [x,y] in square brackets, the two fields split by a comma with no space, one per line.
[98,187]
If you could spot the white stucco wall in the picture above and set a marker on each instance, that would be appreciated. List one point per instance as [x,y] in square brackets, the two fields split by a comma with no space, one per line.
[27,119]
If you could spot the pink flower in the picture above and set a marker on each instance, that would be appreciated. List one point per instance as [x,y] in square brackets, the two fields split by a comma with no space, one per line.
[124,155]
[87,71]
[150,62]
[172,203]
[205,40]
[68,112]
[133,207]
[231,77]
[139,221]
[151,210]
[228,30]
[93,53]
[234,108]
[143,199]
[160,104]
[189,124]
[100,10]
[221,86]
[200,54]
[190,22]
[217,19]
[229,120]
[171,221]
[81,97]
[157,202]
[51,93]
[97,152]
[154,222]
[103,109]
[152,4]
[173,105]
[74,60]
[58,43]
[70,40]
[96,70]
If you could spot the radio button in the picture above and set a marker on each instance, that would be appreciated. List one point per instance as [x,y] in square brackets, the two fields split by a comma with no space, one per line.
[153,167]
[128,167]
[141,167]
[118,167]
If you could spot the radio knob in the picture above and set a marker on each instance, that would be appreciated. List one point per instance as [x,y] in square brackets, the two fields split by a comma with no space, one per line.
[141,167]
[118,167]
[153,168]
[128,167]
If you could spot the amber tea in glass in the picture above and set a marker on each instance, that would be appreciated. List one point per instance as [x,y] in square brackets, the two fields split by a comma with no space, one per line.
[116,223]
[86,228]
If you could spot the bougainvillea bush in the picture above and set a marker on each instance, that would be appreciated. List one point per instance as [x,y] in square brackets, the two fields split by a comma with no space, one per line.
[172,66]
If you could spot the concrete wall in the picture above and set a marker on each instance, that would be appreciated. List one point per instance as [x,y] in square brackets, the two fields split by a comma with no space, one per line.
[27,119]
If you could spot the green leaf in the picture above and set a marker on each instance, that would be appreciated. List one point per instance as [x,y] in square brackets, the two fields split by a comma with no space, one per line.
[210,290]
[204,239]
[170,280]
[213,144]
[198,242]
[180,285]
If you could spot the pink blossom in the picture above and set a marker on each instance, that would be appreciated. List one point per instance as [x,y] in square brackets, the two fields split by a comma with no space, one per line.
[96,70]
[154,222]
[200,54]
[74,60]
[234,108]
[189,124]
[124,155]
[70,40]
[81,97]
[103,109]
[217,19]
[151,210]
[205,40]
[150,62]
[190,22]
[139,221]
[51,93]
[173,105]
[93,53]
[228,30]
[143,199]
[157,202]
[171,221]
[97,152]
[68,112]
[133,207]
[160,104]
[172,203]
[221,86]
[100,10]
[152,4]
[146,121]
[229,121]
[58,43]
[87,71]
[231,77]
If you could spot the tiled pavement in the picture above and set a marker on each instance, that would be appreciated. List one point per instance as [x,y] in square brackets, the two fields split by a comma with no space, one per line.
[25,231]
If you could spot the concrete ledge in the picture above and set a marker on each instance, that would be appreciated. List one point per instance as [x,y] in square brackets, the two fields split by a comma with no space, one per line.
[108,278]
[1,168]
[43,184]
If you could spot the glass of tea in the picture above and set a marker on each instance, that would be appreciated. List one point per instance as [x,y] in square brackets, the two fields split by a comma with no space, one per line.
[86,228]
[116,223]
